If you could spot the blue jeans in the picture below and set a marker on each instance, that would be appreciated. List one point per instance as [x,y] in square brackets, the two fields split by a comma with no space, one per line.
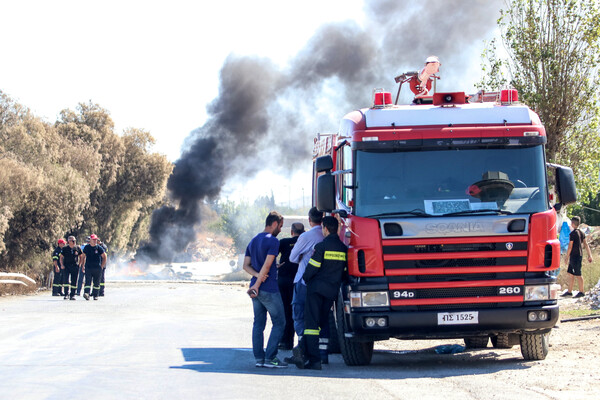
[298,303]
[267,302]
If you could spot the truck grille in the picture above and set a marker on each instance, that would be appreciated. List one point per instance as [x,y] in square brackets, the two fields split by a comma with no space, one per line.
[455,273]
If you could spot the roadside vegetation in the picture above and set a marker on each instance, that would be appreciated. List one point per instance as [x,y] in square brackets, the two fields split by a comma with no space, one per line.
[75,176]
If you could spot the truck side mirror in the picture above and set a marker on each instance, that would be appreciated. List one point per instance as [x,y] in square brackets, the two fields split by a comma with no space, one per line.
[565,185]
[323,164]
[326,192]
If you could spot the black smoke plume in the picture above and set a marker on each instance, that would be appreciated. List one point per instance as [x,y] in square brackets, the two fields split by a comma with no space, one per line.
[266,116]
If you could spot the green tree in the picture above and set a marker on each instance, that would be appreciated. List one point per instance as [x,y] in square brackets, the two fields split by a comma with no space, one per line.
[552,60]
[128,183]
[41,194]
[241,221]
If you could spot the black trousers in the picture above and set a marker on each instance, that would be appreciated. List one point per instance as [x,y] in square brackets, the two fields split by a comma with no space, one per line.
[316,324]
[102,282]
[57,282]
[70,274]
[287,294]
[92,280]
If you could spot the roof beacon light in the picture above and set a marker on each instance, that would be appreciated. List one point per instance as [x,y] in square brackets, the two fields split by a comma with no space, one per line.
[509,96]
[381,98]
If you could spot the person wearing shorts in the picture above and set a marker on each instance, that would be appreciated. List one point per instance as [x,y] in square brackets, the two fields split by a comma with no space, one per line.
[577,242]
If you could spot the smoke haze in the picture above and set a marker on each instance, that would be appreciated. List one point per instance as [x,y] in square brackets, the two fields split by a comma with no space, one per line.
[265,116]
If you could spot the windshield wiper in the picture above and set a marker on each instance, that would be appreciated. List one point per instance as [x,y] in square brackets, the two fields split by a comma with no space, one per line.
[416,213]
[478,211]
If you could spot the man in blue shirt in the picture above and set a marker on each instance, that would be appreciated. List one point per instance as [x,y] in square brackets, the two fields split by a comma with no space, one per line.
[259,262]
[93,260]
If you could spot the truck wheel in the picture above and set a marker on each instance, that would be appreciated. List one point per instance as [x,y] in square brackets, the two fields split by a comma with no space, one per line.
[501,341]
[353,352]
[334,343]
[535,346]
[478,342]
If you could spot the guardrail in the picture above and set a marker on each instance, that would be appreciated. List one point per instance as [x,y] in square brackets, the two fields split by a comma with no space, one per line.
[9,278]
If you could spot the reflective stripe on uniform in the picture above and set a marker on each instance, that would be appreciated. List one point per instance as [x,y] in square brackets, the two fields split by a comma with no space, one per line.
[87,287]
[315,263]
[96,287]
[314,332]
[335,255]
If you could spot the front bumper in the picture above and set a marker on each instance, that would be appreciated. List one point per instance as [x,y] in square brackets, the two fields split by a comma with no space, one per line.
[424,324]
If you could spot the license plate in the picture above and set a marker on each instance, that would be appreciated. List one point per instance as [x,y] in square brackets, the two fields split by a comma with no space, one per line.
[458,318]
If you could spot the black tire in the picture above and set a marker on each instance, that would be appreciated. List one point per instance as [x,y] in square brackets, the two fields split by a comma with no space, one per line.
[477,342]
[354,353]
[501,341]
[334,342]
[535,346]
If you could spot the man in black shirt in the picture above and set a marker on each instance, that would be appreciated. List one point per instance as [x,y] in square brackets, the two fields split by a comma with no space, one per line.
[58,275]
[323,277]
[285,280]
[103,245]
[575,256]
[70,259]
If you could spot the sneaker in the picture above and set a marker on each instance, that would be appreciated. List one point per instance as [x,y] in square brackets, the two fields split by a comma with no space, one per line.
[86,296]
[259,363]
[66,297]
[275,363]
[72,298]
[95,297]
[579,294]
[566,293]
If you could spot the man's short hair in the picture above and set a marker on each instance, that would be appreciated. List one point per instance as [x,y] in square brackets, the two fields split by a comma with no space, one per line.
[331,224]
[272,217]
[576,219]
[298,228]
[315,216]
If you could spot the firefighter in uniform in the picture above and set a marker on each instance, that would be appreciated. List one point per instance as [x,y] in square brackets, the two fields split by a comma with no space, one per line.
[323,277]
[58,272]
[101,292]
[70,259]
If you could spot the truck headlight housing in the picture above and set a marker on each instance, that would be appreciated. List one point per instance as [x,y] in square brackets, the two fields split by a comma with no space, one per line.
[369,299]
[537,292]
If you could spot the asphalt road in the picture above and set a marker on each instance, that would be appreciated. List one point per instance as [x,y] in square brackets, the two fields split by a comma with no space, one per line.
[188,340]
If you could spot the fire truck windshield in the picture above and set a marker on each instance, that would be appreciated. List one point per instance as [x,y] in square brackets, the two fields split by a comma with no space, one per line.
[450,181]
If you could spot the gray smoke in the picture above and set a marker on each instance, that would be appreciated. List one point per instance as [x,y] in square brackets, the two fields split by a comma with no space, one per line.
[266,116]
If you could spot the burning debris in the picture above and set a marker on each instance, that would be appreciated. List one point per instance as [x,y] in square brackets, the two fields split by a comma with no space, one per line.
[259,110]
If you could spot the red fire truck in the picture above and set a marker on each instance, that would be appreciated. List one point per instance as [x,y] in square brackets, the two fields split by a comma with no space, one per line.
[448,218]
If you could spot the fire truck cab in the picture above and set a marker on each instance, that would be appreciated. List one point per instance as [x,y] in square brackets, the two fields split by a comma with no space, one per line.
[447,214]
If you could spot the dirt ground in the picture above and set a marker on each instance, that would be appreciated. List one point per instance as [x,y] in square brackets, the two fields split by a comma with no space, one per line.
[570,371]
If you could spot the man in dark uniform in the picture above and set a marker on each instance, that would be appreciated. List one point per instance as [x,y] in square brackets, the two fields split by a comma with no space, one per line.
[323,277]
[70,259]
[103,245]
[285,279]
[81,274]
[94,259]
[58,276]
